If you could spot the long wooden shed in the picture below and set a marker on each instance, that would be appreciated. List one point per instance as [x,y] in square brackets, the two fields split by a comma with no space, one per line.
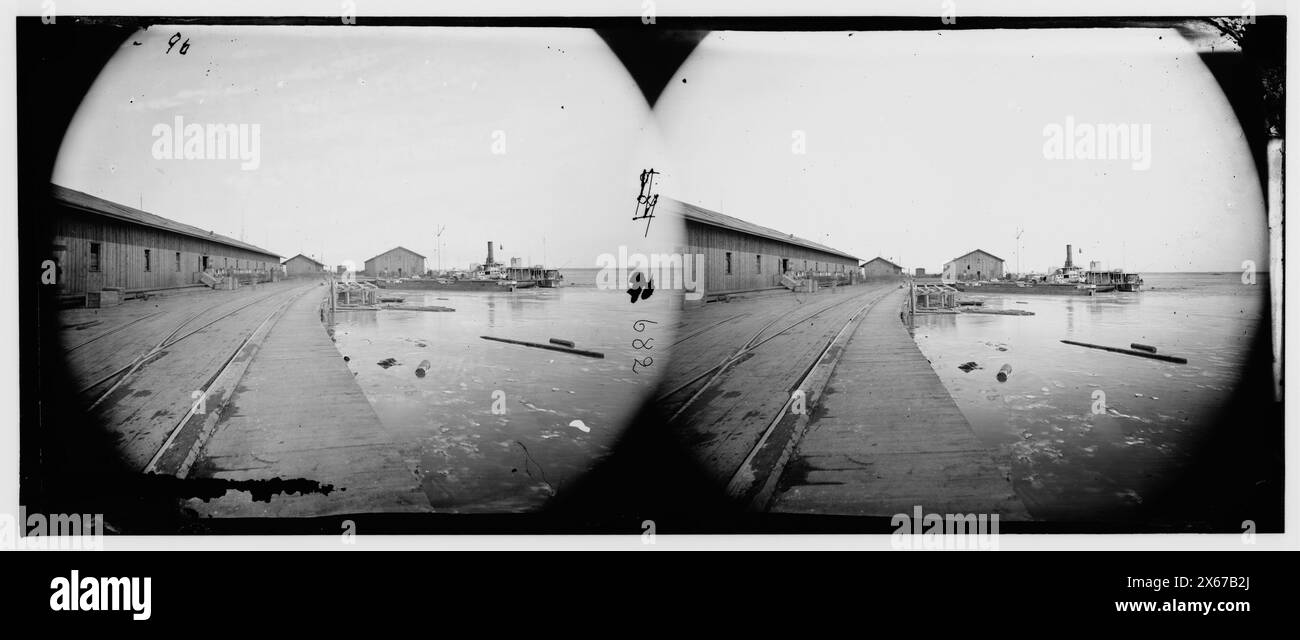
[98,244]
[742,256]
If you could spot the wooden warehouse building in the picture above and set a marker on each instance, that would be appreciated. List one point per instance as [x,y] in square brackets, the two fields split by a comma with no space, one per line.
[881,268]
[398,262]
[100,245]
[975,266]
[742,256]
[301,265]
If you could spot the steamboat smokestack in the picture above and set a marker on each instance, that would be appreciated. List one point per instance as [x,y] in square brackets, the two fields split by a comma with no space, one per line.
[490,261]
[1069,255]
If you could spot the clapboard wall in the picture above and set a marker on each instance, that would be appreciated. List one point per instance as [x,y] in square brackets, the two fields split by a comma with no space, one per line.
[756,261]
[301,265]
[976,265]
[881,268]
[122,246]
[399,262]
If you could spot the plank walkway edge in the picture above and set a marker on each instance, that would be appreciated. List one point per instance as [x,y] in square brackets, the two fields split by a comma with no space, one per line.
[183,447]
[883,391]
[304,422]
[756,481]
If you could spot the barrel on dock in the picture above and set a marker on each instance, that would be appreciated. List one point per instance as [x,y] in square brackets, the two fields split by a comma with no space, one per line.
[423,368]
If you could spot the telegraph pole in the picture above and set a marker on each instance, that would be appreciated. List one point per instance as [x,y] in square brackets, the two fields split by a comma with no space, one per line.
[1019,232]
[437,246]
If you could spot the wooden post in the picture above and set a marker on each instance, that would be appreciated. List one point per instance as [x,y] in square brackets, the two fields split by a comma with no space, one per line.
[1131,352]
[580,352]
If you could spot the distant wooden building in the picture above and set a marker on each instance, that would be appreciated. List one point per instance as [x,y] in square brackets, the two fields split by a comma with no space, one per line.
[881,268]
[976,265]
[301,265]
[99,244]
[742,256]
[398,262]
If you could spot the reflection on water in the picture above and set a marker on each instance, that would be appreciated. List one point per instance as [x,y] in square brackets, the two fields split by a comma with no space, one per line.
[1072,457]
[503,427]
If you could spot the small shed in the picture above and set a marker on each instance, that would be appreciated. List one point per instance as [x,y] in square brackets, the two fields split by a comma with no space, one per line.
[881,268]
[398,262]
[301,265]
[978,265]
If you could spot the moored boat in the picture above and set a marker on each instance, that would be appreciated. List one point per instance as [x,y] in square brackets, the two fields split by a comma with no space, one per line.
[489,276]
[535,276]
[1115,279]
[472,284]
[1028,288]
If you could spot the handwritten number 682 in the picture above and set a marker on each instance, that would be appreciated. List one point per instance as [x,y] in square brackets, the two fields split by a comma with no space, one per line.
[639,343]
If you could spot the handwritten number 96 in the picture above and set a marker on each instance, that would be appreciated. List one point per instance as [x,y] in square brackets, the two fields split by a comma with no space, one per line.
[185,46]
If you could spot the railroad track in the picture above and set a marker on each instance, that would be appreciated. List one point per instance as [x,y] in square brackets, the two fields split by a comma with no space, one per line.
[705,329]
[183,469]
[112,331]
[123,373]
[754,342]
[742,480]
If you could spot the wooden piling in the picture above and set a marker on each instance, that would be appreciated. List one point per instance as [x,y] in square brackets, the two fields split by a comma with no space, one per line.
[1131,352]
[538,345]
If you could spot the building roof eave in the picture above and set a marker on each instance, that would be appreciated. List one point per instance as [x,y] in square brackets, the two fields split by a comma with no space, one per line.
[96,205]
[380,255]
[315,262]
[879,259]
[700,215]
[975,251]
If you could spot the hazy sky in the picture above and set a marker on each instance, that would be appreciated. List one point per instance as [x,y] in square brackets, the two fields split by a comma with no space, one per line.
[922,146]
[373,137]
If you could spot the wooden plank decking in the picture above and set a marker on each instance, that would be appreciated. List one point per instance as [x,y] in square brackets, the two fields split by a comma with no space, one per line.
[147,405]
[725,423]
[299,414]
[887,436]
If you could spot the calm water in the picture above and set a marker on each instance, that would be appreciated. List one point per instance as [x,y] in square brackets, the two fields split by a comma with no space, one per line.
[580,276]
[1066,462]
[470,458]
